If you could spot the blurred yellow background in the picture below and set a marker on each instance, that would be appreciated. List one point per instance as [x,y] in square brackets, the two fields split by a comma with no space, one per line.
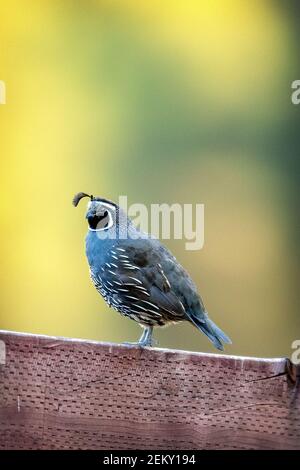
[162,101]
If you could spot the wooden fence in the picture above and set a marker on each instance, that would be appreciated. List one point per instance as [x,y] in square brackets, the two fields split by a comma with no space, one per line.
[58,393]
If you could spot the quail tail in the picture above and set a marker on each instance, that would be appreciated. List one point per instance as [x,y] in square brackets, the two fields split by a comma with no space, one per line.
[212,331]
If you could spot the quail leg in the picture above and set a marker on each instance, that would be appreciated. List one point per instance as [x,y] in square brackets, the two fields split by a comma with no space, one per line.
[145,339]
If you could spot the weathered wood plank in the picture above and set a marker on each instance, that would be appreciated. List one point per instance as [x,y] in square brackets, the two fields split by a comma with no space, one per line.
[57,393]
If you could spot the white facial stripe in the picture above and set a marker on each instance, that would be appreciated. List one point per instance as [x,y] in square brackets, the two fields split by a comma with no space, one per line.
[105,204]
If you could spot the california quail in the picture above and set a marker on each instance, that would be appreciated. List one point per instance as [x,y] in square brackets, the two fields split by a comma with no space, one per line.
[138,276]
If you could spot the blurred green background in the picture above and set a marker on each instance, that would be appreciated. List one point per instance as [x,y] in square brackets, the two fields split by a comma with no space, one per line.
[162,101]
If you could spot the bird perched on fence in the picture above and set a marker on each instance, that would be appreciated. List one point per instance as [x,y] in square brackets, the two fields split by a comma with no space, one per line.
[138,276]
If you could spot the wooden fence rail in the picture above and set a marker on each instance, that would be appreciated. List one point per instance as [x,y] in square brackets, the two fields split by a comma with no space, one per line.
[58,393]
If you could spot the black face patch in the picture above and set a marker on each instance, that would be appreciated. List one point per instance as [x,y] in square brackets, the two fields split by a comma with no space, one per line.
[99,222]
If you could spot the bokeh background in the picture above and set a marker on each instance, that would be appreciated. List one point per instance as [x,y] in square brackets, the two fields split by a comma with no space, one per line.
[162,101]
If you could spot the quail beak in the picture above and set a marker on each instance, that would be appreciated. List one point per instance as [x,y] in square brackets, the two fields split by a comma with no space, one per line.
[92,218]
[91,213]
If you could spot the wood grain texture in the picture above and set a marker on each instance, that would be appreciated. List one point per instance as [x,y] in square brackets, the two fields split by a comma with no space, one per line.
[57,393]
